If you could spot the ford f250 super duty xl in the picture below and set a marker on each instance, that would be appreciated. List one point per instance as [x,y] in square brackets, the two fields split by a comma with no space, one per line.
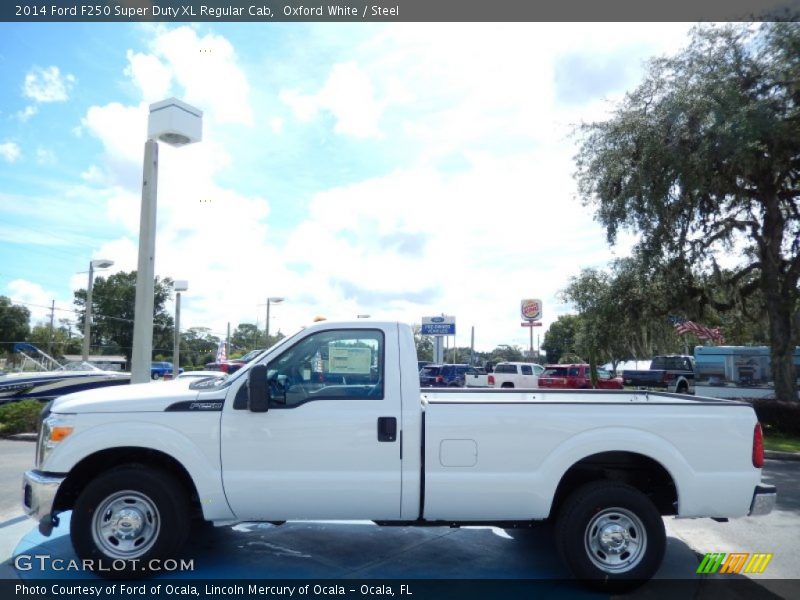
[331,424]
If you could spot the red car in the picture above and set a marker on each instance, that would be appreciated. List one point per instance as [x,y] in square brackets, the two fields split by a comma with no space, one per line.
[571,377]
[234,364]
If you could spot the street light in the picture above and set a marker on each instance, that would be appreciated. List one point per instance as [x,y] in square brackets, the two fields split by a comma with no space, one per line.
[273,300]
[177,124]
[87,324]
[179,286]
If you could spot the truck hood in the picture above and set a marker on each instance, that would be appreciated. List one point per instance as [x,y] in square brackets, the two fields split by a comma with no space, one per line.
[139,397]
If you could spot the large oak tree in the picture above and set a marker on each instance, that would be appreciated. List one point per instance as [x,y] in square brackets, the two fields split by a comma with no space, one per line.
[703,161]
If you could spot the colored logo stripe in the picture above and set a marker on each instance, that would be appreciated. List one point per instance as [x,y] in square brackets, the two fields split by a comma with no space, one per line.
[733,562]
[711,562]
[758,562]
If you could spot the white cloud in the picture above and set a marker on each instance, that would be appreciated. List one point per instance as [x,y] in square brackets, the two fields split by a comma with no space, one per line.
[153,77]
[27,113]
[93,175]
[36,299]
[348,95]
[121,129]
[48,85]
[45,156]
[480,213]
[205,67]
[10,151]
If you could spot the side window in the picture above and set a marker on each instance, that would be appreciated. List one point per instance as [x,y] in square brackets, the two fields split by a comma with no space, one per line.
[574,371]
[344,364]
[526,370]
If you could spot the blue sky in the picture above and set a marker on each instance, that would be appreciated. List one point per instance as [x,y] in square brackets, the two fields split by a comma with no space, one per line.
[395,170]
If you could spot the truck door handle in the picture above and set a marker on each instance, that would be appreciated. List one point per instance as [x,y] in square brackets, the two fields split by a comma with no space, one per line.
[387,429]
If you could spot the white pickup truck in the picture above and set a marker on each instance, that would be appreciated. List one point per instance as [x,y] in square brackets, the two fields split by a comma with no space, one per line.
[515,375]
[331,424]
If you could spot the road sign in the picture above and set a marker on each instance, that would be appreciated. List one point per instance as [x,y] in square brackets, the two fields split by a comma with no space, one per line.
[441,325]
[531,309]
[531,323]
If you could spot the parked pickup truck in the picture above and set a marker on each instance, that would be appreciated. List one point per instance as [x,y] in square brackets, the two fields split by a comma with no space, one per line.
[330,423]
[515,375]
[577,377]
[673,373]
[477,377]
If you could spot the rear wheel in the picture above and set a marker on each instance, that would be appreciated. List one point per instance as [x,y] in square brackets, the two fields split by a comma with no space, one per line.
[127,517]
[683,388]
[610,535]
[155,375]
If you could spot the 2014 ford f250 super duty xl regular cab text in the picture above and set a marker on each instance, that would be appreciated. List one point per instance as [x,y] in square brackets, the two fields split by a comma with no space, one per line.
[331,424]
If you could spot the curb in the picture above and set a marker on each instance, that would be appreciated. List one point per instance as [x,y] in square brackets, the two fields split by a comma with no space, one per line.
[21,437]
[776,455]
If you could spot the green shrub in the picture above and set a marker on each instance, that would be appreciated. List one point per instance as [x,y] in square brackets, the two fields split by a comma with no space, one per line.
[776,416]
[19,417]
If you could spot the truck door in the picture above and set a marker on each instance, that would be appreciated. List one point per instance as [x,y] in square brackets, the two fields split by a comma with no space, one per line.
[527,377]
[328,445]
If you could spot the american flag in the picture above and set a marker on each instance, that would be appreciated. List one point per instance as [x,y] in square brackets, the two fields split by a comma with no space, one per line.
[221,353]
[683,326]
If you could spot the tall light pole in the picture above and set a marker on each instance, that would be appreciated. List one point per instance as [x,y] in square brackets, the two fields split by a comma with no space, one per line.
[178,286]
[87,324]
[177,124]
[273,300]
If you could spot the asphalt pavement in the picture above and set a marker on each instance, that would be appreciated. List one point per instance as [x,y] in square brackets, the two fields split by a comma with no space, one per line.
[363,551]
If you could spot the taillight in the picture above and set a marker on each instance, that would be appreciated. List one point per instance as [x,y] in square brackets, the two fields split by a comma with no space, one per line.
[758,447]
[491,379]
[439,379]
[665,377]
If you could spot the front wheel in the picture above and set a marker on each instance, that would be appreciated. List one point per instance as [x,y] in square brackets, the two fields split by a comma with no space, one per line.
[127,518]
[610,535]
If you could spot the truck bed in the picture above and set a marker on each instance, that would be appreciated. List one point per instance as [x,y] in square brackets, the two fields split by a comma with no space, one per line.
[550,396]
[509,449]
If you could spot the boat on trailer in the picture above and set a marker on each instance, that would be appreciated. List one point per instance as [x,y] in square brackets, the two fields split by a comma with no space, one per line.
[43,378]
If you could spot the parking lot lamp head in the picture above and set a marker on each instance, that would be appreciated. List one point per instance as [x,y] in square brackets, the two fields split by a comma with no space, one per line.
[175,123]
[99,263]
[271,300]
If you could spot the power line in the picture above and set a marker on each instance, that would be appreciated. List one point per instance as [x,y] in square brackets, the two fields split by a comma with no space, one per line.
[95,314]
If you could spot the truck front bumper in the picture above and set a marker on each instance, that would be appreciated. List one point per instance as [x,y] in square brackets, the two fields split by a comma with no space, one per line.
[38,494]
[764,498]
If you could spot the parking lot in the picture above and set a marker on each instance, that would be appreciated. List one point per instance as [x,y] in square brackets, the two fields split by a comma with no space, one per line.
[356,552]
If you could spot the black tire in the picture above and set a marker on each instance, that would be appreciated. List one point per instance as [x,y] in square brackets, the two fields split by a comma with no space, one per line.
[155,375]
[632,547]
[683,388]
[145,516]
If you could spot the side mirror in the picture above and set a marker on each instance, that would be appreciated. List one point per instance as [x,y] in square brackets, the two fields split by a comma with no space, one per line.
[257,397]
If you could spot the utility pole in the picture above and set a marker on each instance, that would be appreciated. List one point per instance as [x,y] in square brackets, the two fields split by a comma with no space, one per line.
[50,341]
[228,340]
[472,347]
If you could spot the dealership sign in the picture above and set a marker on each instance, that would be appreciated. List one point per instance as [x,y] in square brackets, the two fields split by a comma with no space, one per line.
[531,309]
[442,325]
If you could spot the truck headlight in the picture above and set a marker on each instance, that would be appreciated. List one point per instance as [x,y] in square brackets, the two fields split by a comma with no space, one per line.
[54,429]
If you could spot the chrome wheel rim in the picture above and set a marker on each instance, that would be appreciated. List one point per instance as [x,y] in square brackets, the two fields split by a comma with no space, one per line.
[615,540]
[126,525]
